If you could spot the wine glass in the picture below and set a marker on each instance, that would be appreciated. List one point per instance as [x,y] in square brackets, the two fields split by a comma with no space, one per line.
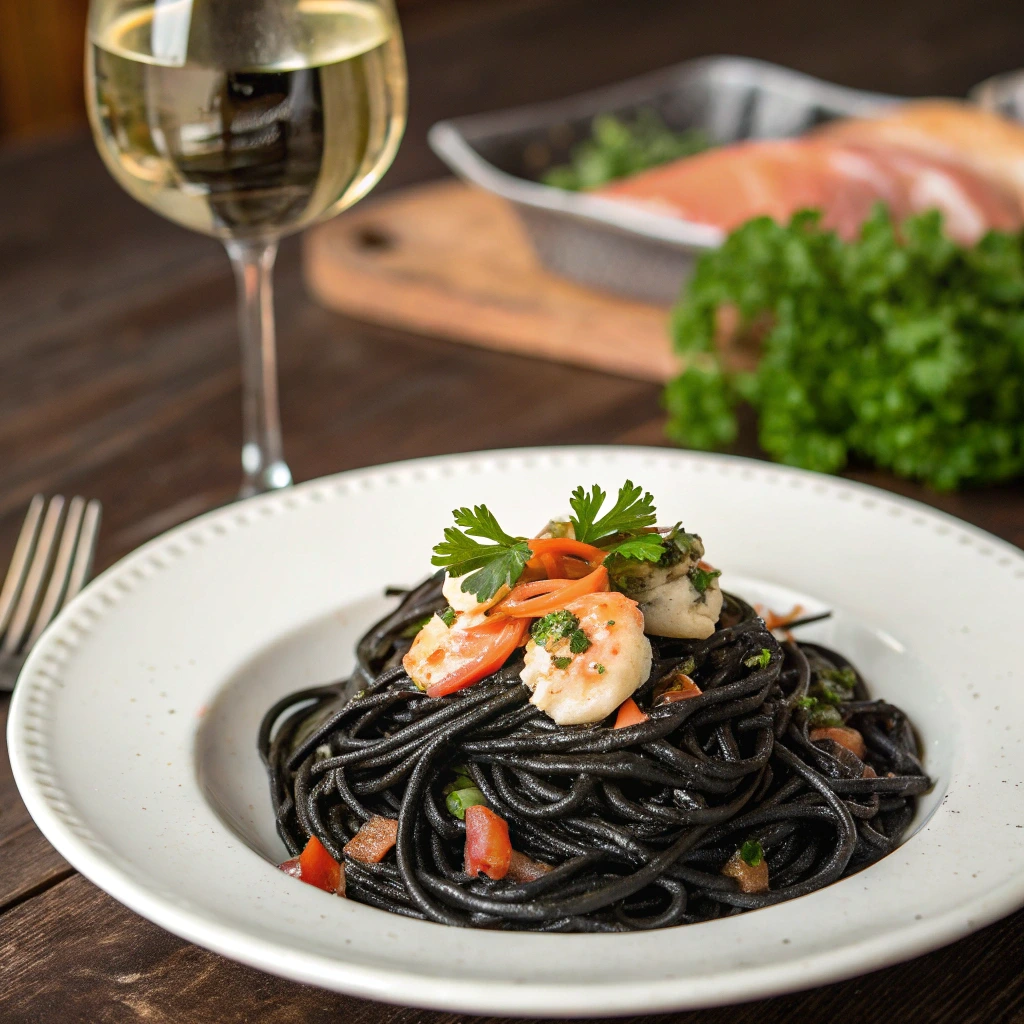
[247,120]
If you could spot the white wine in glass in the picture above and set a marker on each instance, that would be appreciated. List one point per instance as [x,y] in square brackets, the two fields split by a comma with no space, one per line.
[247,120]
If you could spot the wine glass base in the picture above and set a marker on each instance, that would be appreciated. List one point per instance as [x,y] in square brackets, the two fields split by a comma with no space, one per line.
[272,477]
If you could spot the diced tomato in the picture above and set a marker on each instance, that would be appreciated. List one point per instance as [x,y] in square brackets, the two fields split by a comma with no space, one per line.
[488,847]
[525,869]
[489,646]
[318,868]
[629,714]
[373,840]
[845,737]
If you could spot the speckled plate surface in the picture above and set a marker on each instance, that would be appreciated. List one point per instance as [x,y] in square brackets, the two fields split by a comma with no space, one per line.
[132,730]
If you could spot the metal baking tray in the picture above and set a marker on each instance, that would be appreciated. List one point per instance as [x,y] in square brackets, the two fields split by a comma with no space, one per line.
[607,244]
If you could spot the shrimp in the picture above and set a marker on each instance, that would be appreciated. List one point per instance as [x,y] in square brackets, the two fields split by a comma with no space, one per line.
[445,658]
[667,593]
[578,688]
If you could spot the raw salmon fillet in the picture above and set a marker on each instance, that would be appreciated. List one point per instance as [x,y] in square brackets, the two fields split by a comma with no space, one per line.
[725,187]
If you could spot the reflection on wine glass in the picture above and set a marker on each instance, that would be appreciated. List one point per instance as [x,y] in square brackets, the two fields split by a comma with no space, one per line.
[247,120]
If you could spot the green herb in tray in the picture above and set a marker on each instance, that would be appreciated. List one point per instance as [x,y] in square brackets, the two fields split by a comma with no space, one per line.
[618,148]
[902,348]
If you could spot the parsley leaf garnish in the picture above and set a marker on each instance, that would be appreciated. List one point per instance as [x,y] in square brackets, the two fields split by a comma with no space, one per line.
[648,547]
[447,616]
[562,663]
[491,566]
[633,511]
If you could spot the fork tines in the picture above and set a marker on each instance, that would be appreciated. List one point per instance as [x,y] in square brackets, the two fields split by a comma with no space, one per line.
[52,561]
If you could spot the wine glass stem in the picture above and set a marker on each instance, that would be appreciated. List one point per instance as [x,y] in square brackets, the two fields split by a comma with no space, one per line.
[263,465]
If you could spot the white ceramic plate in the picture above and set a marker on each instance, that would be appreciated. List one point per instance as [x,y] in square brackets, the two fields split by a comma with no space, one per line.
[132,729]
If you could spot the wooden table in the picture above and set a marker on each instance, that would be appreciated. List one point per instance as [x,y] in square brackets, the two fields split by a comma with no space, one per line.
[119,380]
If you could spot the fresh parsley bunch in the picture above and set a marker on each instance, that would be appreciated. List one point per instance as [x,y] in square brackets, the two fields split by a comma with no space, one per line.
[900,347]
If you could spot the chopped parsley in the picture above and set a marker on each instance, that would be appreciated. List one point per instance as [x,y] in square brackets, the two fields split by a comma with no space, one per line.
[553,627]
[447,616]
[678,544]
[562,663]
[846,678]
[600,669]
[819,715]
[827,695]
[579,642]
[759,660]
[752,853]
[701,578]
[487,567]
[610,622]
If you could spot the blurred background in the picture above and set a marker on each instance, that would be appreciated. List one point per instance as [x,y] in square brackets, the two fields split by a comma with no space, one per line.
[899,47]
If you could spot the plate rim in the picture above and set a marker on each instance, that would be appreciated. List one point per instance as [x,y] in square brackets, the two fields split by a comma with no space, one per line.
[480,995]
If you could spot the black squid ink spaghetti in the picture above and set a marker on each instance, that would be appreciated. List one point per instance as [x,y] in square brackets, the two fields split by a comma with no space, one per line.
[583,732]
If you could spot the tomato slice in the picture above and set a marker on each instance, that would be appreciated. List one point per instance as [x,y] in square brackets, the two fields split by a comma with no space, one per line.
[629,714]
[317,867]
[488,646]
[488,847]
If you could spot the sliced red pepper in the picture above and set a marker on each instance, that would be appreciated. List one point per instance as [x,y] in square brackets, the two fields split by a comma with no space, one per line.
[488,847]
[534,600]
[567,546]
[318,868]
[373,840]
[489,645]
[629,714]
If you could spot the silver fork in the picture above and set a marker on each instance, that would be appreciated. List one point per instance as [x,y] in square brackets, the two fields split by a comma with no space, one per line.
[52,561]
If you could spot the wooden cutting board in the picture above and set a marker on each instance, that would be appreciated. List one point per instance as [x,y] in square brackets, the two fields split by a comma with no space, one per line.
[449,260]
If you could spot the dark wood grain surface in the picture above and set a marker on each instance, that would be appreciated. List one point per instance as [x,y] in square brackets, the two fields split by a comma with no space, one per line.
[119,380]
